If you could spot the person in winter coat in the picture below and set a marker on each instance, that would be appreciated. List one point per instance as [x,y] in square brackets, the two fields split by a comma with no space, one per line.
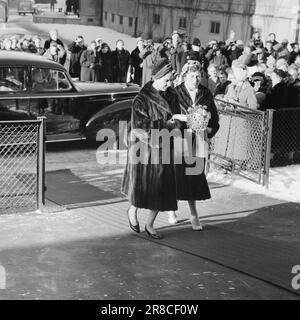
[90,64]
[149,182]
[106,69]
[76,48]
[54,38]
[137,62]
[55,53]
[149,56]
[121,63]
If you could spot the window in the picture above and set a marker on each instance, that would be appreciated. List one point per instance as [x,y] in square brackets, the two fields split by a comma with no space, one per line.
[182,22]
[130,22]
[156,18]
[121,19]
[112,17]
[215,27]
[105,15]
[12,79]
[49,80]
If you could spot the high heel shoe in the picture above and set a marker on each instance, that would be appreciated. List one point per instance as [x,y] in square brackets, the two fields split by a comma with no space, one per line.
[135,228]
[155,236]
[196,225]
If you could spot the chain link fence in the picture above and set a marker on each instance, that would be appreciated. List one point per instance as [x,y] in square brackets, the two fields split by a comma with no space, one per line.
[285,149]
[21,165]
[241,143]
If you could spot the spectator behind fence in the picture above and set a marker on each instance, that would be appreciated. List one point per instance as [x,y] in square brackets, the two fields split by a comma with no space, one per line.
[137,62]
[176,45]
[272,39]
[55,53]
[294,53]
[259,83]
[212,78]
[268,51]
[106,69]
[54,38]
[76,48]
[90,64]
[38,45]
[183,55]
[234,51]
[282,50]
[149,55]
[278,95]
[222,84]
[27,46]
[294,87]
[121,63]
[241,91]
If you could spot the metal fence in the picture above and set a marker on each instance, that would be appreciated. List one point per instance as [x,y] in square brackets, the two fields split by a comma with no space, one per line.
[22,150]
[285,149]
[242,144]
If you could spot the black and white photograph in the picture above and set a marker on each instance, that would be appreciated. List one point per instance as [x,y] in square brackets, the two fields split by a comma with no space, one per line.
[149,153]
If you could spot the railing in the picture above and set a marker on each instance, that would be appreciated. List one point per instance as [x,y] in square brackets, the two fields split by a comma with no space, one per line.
[22,165]
[242,144]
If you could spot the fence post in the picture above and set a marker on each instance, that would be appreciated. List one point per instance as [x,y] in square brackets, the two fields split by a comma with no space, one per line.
[269,129]
[41,166]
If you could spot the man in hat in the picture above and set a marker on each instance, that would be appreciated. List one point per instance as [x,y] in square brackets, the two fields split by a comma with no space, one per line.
[149,181]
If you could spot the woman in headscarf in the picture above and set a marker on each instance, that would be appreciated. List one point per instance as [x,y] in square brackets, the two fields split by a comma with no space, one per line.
[106,70]
[192,186]
[149,181]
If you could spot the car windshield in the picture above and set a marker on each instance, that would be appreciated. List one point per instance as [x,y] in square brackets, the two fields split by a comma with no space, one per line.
[12,79]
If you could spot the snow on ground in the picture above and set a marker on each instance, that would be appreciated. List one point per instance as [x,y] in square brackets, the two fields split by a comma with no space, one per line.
[284,183]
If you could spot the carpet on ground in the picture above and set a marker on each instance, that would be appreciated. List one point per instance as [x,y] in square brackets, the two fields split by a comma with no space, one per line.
[66,189]
[270,261]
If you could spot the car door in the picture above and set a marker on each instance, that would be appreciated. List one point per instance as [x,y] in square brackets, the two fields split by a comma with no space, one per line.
[14,100]
[53,96]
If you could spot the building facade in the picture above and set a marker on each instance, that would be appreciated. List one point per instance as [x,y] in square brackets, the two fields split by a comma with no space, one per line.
[209,20]
[121,15]
[91,12]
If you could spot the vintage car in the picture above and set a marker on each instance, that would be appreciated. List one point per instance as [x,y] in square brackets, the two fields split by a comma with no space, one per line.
[32,86]
[25,7]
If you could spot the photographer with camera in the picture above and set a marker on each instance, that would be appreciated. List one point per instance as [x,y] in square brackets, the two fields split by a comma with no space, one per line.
[148,55]
[76,48]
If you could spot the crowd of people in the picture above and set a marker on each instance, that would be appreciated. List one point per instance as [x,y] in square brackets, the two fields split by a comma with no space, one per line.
[257,74]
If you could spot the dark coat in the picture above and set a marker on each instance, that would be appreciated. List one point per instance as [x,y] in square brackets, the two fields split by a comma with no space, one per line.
[90,65]
[106,69]
[136,62]
[76,52]
[151,186]
[121,64]
[278,97]
[221,88]
[195,187]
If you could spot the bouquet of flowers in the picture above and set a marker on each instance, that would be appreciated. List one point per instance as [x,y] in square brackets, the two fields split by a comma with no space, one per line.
[198,118]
